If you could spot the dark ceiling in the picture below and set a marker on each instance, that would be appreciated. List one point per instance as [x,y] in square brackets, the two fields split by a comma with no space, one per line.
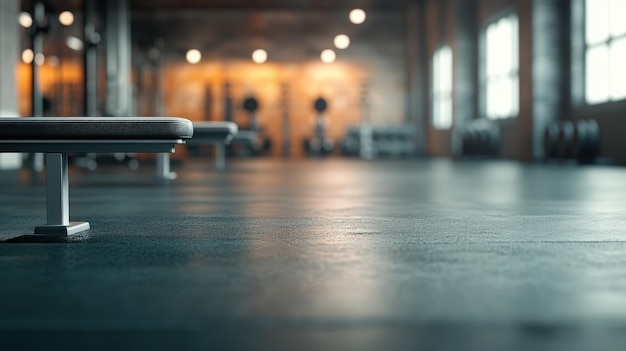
[231,28]
[398,5]
[316,5]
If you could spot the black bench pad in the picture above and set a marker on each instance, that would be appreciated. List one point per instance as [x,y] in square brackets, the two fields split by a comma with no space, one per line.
[95,128]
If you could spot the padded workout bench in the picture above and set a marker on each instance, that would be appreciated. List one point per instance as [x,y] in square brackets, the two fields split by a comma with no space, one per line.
[219,134]
[58,136]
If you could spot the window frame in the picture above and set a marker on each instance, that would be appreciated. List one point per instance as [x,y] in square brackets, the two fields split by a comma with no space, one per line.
[514,74]
[439,95]
[586,47]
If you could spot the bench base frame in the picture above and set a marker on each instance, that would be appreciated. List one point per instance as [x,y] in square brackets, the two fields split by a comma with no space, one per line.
[58,228]
[66,230]
[58,200]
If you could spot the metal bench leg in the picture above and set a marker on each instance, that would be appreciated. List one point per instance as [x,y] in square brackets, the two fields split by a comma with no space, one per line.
[163,167]
[57,199]
[220,156]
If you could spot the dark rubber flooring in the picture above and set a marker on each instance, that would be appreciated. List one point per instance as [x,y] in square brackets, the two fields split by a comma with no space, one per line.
[322,255]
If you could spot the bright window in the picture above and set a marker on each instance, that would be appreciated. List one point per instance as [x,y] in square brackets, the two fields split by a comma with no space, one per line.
[605,39]
[501,72]
[442,88]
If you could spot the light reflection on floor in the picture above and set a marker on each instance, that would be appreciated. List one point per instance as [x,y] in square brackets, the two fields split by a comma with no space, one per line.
[392,253]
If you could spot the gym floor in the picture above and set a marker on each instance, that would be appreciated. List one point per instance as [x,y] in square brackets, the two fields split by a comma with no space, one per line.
[332,254]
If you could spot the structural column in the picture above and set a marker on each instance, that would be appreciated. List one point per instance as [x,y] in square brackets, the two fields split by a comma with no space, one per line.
[118,59]
[416,68]
[547,71]
[37,29]
[9,53]
[465,71]
[92,38]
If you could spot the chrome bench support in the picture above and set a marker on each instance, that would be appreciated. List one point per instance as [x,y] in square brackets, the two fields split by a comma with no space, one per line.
[57,199]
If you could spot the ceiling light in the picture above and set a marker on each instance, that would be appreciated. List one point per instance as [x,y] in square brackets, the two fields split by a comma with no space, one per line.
[40,59]
[342,41]
[328,56]
[357,16]
[25,19]
[259,56]
[193,56]
[28,56]
[66,18]
[74,43]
